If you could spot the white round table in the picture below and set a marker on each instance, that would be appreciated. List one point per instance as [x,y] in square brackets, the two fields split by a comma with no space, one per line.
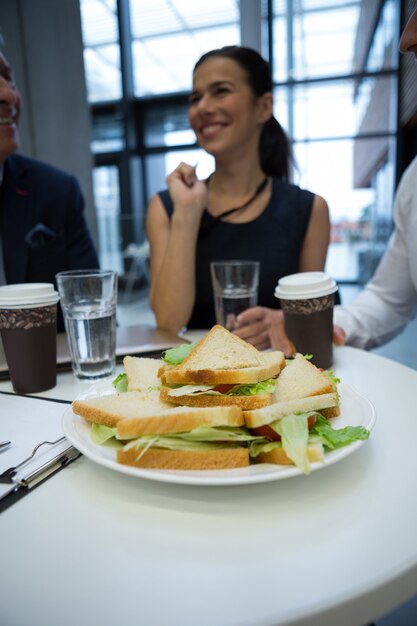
[92,546]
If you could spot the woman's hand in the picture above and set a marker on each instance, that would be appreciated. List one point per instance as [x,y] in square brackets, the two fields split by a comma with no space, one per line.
[188,193]
[264,328]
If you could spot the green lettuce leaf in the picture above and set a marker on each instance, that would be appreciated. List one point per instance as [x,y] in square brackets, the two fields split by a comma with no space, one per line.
[120,383]
[293,429]
[221,433]
[209,434]
[256,447]
[337,438]
[176,443]
[176,355]
[265,386]
[104,435]
[333,378]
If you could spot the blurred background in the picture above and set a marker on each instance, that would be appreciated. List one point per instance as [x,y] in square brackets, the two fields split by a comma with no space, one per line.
[105,88]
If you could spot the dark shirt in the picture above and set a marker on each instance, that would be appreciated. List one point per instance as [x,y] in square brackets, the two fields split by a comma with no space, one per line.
[42,223]
[274,238]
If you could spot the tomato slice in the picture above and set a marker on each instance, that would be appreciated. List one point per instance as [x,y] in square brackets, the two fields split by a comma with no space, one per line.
[266,431]
[223,388]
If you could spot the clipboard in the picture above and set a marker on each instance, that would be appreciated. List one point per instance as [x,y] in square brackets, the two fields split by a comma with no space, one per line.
[29,423]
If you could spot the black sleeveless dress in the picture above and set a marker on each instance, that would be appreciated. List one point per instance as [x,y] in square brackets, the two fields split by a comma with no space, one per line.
[274,238]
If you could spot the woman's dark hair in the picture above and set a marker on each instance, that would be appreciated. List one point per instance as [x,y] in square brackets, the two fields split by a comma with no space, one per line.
[274,146]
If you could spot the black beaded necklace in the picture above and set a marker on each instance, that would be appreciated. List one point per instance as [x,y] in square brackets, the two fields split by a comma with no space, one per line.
[258,191]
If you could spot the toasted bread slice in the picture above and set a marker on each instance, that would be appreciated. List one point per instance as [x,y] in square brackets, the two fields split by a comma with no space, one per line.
[271,364]
[142,373]
[279,457]
[278,410]
[178,419]
[154,458]
[220,349]
[221,357]
[333,411]
[207,400]
[301,379]
[109,410]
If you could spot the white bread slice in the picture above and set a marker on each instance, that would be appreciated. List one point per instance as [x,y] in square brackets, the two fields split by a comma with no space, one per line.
[278,410]
[110,409]
[142,372]
[154,458]
[221,357]
[279,457]
[206,400]
[178,420]
[220,349]
[271,365]
[300,379]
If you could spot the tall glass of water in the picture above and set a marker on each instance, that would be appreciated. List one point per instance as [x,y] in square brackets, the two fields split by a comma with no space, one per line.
[235,288]
[88,299]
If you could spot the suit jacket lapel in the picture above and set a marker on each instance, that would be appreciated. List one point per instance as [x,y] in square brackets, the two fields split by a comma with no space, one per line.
[16,218]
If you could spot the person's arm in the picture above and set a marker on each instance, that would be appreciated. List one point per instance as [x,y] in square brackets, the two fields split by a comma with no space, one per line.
[173,248]
[264,327]
[387,303]
[389,300]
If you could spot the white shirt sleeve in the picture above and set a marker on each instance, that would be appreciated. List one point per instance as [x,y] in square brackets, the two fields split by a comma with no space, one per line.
[389,300]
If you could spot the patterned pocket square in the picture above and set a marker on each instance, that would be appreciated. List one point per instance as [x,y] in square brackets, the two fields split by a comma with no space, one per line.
[39,236]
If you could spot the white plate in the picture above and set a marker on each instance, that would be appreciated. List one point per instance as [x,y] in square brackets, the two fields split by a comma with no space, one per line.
[355,411]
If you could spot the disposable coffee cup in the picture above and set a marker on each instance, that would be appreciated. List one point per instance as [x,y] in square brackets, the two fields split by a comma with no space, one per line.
[307,301]
[28,331]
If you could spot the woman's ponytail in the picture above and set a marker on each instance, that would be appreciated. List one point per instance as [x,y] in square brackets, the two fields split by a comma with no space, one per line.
[275,150]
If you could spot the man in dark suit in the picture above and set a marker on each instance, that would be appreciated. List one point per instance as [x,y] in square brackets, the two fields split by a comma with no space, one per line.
[42,226]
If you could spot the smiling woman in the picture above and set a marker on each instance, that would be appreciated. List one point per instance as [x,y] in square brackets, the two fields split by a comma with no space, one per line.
[247,209]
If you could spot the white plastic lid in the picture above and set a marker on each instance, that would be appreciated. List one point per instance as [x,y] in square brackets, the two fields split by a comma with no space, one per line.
[305,285]
[27,294]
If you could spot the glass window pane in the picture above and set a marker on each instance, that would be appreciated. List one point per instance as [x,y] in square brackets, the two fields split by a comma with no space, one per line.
[167,126]
[164,64]
[376,105]
[334,109]
[108,134]
[322,36]
[101,49]
[169,37]
[107,200]
[150,17]
[360,216]
[383,53]
[99,22]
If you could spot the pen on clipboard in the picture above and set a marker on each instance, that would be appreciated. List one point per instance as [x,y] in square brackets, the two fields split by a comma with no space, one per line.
[4,445]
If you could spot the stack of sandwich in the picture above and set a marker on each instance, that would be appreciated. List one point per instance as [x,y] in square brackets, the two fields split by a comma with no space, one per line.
[218,404]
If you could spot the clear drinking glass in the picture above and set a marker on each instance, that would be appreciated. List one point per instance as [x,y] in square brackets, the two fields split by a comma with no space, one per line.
[88,300]
[235,288]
